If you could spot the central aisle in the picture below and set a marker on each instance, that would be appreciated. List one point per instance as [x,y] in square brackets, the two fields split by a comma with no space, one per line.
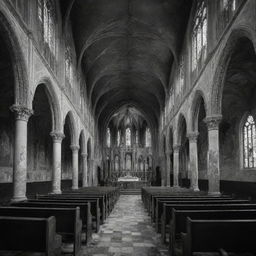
[127,231]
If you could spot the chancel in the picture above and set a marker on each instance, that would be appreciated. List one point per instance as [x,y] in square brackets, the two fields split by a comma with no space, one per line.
[127,127]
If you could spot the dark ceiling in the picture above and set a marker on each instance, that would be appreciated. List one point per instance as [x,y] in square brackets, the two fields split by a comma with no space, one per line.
[126,49]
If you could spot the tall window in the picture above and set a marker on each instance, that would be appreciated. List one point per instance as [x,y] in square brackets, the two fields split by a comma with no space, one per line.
[128,136]
[118,138]
[46,16]
[148,138]
[137,137]
[69,66]
[249,143]
[180,78]
[108,138]
[199,35]
[226,9]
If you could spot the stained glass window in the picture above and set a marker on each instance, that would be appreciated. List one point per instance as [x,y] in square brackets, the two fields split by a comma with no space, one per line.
[108,138]
[249,143]
[46,17]
[118,138]
[69,66]
[199,34]
[128,136]
[148,138]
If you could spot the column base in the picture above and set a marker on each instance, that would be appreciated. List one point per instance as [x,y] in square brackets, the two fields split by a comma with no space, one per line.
[176,186]
[214,193]
[56,192]
[195,189]
[19,199]
[74,188]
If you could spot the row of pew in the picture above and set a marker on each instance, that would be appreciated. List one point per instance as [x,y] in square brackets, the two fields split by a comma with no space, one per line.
[194,223]
[45,222]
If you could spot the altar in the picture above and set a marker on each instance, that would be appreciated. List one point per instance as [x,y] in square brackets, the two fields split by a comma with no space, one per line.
[130,182]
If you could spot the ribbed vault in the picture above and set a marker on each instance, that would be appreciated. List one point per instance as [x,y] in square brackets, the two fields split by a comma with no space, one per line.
[126,50]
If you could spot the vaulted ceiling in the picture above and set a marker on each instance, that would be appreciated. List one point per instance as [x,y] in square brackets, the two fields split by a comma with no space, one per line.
[126,49]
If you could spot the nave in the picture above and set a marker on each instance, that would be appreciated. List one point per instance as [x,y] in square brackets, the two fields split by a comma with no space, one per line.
[127,231]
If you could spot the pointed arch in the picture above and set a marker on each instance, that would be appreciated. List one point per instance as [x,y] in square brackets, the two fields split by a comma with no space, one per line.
[72,127]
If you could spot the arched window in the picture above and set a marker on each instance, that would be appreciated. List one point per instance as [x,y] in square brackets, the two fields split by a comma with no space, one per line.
[69,66]
[249,143]
[199,35]
[226,11]
[128,137]
[118,138]
[108,138]
[137,137]
[180,78]
[148,138]
[46,16]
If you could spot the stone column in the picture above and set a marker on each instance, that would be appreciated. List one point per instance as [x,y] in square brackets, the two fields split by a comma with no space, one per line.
[193,160]
[84,162]
[163,170]
[213,165]
[74,149]
[56,172]
[168,169]
[176,165]
[22,115]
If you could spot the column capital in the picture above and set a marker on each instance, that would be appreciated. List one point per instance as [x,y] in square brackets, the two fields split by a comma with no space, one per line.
[192,136]
[213,122]
[84,154]
[57,136]
[21,112]
[74,148]
[176,148]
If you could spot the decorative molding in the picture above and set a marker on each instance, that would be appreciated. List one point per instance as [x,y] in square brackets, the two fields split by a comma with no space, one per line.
[21,112]
[213,122]
[57,136]
[192,136]
[176,148]
[74,148]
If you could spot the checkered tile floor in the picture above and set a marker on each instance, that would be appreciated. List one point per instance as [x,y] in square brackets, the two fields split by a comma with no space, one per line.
[127,231]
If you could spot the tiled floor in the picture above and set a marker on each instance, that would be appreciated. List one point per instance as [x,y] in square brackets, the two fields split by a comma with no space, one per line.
[127,231]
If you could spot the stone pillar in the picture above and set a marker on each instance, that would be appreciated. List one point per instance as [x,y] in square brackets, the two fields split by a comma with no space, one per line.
[193,160]
[176,165]
[213,165]
[163,170]
[84,163]
[22,115]
[74,149]
[56,172]
[168,169]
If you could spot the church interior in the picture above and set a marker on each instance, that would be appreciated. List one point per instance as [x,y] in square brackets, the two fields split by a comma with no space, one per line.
[127,127]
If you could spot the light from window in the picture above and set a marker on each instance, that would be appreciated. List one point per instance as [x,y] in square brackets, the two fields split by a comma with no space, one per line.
[199,34]
[108,138]
[69,66]
[118,138]
[249,143]
[148,138]
[46,17]
[128,137]
[137,137]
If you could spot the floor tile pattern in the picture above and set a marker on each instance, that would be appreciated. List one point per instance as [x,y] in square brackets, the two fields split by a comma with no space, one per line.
[127,232]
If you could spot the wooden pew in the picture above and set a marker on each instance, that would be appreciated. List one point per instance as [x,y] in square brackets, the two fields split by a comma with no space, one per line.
[168,208]
[101,198]
[209,235]
[95,209]
[208,200]
[85,212]
[179,219]
[159,212]
[68,222]
[30,235]
[156,198]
